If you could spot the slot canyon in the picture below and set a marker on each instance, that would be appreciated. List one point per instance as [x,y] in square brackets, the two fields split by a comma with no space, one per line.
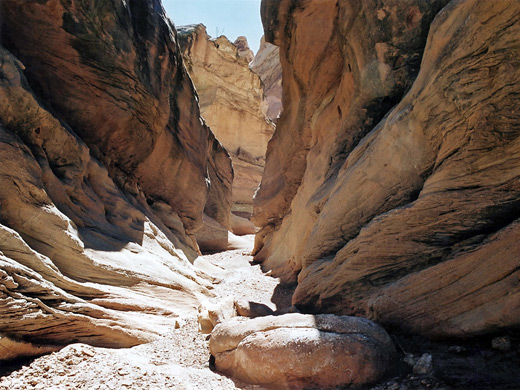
[340,209]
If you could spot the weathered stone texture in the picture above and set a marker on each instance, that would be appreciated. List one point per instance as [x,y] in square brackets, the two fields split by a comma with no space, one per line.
[302,351]
[231,101]
[106,171]
[391,188]
[266,64]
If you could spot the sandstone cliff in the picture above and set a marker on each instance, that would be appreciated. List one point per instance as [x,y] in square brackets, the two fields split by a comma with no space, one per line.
[231,103]
[267,65]
[107,170]
[391,187]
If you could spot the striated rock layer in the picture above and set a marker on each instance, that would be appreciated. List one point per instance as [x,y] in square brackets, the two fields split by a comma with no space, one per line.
[392,183]
[107,169]
[231,101]
[267,65]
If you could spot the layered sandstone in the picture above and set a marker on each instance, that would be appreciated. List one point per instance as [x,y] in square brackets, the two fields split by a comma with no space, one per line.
[107,170]
[391,187]
[267,65]
[231,102]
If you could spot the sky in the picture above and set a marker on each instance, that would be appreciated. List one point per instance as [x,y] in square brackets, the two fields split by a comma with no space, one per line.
[231,18]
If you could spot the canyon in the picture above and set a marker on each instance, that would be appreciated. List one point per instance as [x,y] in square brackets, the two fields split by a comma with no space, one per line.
[232,103]
[373,148]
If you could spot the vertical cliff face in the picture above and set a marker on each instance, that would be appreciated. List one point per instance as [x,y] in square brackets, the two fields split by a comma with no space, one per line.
[392,181]
[266,64]
[112,72]
[107,169]
[231,103]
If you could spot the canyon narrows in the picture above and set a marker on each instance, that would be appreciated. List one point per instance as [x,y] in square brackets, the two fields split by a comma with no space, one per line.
[370,149]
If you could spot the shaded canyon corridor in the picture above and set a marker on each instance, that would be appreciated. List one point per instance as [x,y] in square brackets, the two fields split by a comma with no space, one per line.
[341,209]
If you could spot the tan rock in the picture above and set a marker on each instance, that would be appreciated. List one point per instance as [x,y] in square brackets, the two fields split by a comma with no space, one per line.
[98,209]
[133,106]
[13,349]
[231,102]
[267,65]
[299,351]
[243,48]
[390,195]
[241,226]
[212,314]
[252,309]
[213,237]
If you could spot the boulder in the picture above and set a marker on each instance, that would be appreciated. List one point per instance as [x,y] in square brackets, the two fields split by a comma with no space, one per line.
[241,226]
[302,351]
[391,184]
[212,314]
[252,309]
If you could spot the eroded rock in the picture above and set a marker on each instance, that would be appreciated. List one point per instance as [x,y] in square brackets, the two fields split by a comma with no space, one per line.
[267,65]
[300,350]
[392,181]
[231,101]
[106,172]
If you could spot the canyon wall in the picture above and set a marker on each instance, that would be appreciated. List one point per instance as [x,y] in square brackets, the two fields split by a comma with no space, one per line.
[107,170]
[392,183]
[267,65]
[231,102]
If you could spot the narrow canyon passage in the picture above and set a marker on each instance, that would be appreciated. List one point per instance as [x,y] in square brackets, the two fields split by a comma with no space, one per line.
[178,360]
[140,160]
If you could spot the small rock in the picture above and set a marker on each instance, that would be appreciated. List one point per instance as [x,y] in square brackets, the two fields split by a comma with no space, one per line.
[393,386]
[502,343]
[410,359]
[251,309]
[88,352]
[456,349]
[424,365]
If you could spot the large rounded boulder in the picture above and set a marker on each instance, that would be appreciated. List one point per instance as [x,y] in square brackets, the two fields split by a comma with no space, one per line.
[300,350]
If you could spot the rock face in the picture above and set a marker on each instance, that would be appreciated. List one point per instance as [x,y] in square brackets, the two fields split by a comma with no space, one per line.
[267,65]
[231,103]
[107,170]
[243,49]
[297,350]
[391,187]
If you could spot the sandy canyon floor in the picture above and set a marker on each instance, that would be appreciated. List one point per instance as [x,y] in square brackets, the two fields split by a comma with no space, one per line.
[181,359]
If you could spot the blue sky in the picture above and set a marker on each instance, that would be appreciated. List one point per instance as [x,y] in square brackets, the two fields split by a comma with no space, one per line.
[231,18]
